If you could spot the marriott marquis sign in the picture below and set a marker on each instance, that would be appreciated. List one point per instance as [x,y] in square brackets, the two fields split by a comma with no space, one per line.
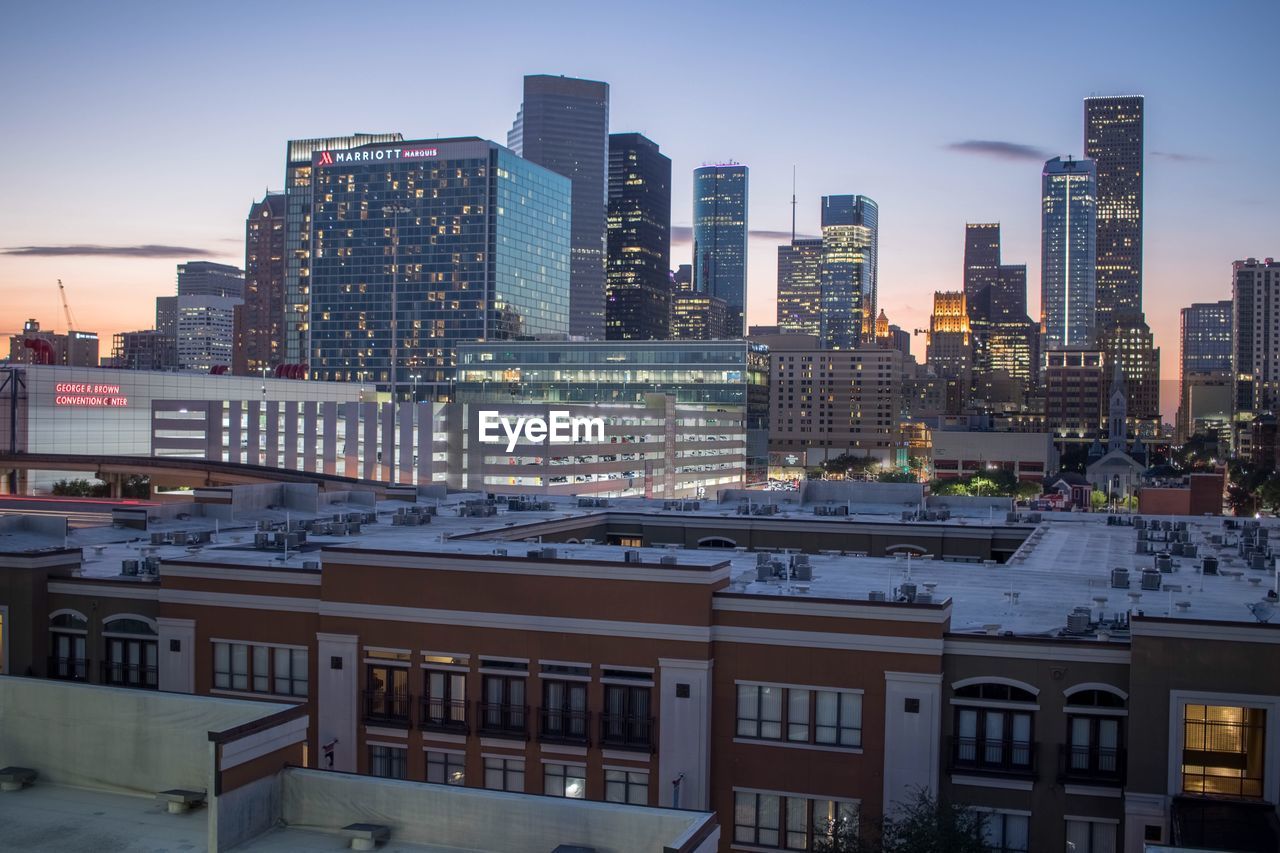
[558,428]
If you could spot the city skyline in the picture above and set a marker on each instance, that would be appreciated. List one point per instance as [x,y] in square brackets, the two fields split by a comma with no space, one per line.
[934,152]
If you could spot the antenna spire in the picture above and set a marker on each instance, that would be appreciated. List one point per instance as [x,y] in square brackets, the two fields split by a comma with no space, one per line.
[793,203]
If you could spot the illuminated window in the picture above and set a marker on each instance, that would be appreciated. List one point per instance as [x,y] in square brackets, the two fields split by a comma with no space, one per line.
[1222,750]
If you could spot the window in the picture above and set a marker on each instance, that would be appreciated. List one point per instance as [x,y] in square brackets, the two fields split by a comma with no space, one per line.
[503,711]
[504,774]
[446,768]
[1093,744]
[627,721]
[274,670]
[130,663]
[387,761]
[826,717]
[1006,833]
[1222,750]
[564,780]
[994,739]
[789,822]
[564,711]
[626,786]
[67,631]
[1088,836]
[444,708]
[386,697]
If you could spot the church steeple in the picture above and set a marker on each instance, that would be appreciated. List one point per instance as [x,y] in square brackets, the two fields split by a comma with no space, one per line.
[1117,414]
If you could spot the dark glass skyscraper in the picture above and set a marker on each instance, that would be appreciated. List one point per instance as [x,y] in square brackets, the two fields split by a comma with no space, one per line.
[981,267]
[637,304]
[1113,128]
[1067,253]
[476,237]
[259,322]
[563,124]
[297,233]
[800,286]
[850,237]
[720,238]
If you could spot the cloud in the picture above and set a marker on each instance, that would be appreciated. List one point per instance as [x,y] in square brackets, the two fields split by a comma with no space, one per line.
[999,149]
[91,250]
[684,234]
[1181,158]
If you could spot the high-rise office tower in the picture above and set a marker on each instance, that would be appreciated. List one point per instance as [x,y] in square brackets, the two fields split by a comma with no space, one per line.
[981,267]
[259,322]
[1205,359]
[1113,141]
[418,245]
[720,238]
[297,233]
[699,317]
[850,238]
[949,350]
[1255,335]
[1130,348]
[563,125]
[800,287]
[202,315]
[638,270]
[682,278]
[1067,252]
[202,278]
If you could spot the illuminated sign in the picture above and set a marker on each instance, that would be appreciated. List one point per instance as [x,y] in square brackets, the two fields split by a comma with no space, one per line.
[373,155]
[559,429]
[88,395]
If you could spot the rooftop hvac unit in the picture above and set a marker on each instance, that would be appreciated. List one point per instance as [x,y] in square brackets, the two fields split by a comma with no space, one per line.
[157,537]
[1139,522]
[1119,578]
[762,558]
[1190,549]
[1150,579]
[631,557]
[803,571]
[1258,561]
[876,595]
[1164,563]
[1078,621]
[548,553]
[499,552]
[150,565]
[764,572]
[907,591]
[311,564]
[924,598]
[1209,565]
[667,559]
[535,554]
[129,567]
[1176,549]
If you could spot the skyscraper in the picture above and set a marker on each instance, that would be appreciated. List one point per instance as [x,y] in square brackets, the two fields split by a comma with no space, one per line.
[1205,361]
[1067,252]
[204,314]
[981,267]
[1255,335]
[996,299]
[297,233]
[203,278]
[720,238]
[259,322]
[800,287]
[850,238]
[442,240]
[638,271]
[1113,131]
[563,125]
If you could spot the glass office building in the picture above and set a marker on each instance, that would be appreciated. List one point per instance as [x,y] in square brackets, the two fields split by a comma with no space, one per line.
[799,287]
[639,264]
[711,374]
[477,240]
[1113,140]
[850,239]
[1067,252]
[720,237]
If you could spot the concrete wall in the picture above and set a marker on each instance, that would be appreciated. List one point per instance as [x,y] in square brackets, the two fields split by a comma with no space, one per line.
[464,818]
[248,811]
[966,505]
[840,491]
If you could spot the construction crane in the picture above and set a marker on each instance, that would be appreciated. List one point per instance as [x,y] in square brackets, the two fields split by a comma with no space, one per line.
[66,309]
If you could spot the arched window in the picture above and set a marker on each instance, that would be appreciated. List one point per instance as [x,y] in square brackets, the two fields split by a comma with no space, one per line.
[129,624]
[717,542]
[132,651]
[70,620]
[1094,752]
[993,690]
[993,726]
[67,630]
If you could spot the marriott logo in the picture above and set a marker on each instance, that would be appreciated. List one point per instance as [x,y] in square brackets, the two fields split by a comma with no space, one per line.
[376,155]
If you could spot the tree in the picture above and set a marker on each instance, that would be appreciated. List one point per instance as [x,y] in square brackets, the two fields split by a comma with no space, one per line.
[922,825]
[81,489]
[896,477]
[1098,500]
[1028,490]
[138,486]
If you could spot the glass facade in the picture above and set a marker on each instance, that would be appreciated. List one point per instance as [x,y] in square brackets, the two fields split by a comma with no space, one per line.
[1113,140]
[477,240]
[1206,338]
[720,238]
[639,258]
[703,373]
[1067,280]
[563,124]
[850,239]
[799,287]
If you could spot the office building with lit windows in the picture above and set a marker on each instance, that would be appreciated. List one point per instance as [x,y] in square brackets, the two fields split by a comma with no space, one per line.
[848,290]
[1255,336]
[720,238]
[1205,362]
[477,240]
[800,287]
[638,271]
[259,322]
[297,234]
[1068,287]
[698,317]
[1113,140]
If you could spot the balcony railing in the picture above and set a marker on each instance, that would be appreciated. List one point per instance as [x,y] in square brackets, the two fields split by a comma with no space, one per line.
[68,669]
[559,725]
[385,708]
[504,720]
[444,715]
[625,731]
[1090,764]
[999,757]
[129,675]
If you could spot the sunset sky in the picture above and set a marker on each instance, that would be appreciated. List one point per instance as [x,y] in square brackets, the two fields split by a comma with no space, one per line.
[149,128]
